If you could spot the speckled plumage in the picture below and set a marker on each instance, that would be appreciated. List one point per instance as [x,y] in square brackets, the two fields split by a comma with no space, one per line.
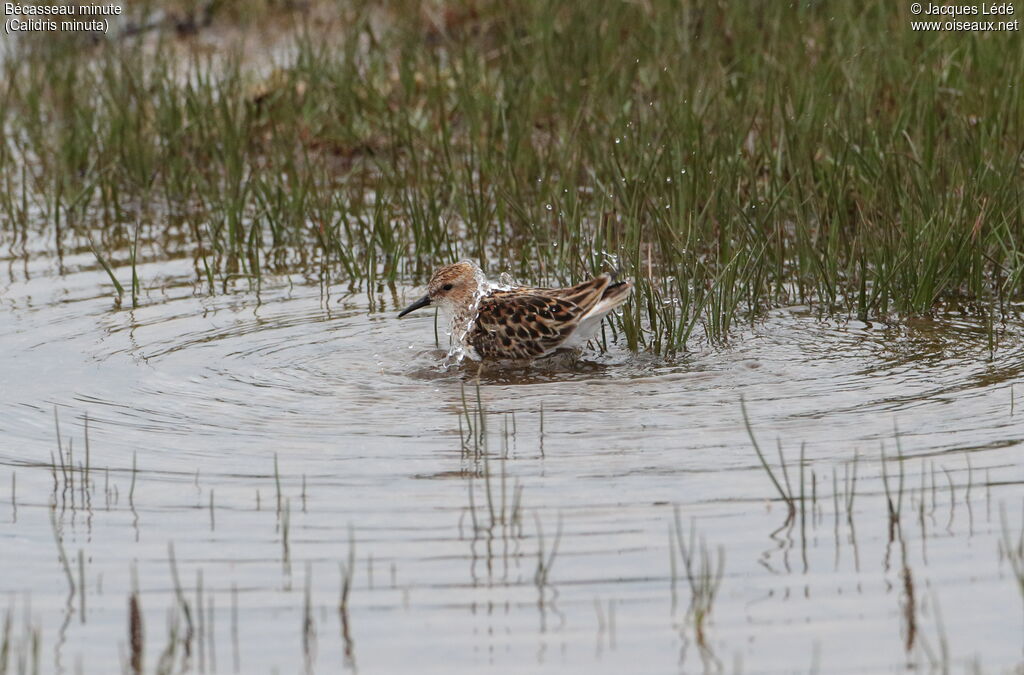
[519,323]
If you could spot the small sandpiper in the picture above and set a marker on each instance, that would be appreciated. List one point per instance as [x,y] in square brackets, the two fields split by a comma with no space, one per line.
[495,322]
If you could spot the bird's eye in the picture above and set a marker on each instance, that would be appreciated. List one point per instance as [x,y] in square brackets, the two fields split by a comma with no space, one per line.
[446,287]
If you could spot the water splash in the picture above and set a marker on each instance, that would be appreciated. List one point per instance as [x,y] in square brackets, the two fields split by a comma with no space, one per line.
[611,260]
[505,282]
[462,323]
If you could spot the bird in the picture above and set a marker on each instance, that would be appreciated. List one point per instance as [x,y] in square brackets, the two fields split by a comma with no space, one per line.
[494,322]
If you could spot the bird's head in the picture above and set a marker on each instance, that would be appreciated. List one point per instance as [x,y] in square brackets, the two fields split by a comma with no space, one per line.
[451,288]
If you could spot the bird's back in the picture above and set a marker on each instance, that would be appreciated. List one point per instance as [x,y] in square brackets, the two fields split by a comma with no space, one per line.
[526,323]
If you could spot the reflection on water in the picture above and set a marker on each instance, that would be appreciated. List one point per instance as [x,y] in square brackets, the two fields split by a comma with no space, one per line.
[325,486]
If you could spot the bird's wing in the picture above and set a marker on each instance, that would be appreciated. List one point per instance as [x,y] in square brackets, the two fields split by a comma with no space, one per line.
[527,323]
[585,294]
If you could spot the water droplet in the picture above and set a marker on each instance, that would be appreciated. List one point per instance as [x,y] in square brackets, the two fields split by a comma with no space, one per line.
[617,141]
[668,180]
[683,171]
[547,206]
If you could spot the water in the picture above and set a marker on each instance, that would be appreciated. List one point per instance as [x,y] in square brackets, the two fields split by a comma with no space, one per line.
[369,433]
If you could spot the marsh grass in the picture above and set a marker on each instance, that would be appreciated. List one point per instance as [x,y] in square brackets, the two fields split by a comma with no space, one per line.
[20,654]
[1012,547]
[136,634]
[704,569]
[729,157]
[785,492]
[885,492]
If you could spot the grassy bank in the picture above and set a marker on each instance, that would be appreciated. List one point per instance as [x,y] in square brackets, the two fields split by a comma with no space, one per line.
[730,156]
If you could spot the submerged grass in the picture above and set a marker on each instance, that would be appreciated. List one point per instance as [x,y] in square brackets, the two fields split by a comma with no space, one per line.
[188,643]
[730,157]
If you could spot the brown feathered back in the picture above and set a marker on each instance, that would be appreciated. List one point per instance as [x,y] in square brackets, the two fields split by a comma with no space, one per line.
[525,323]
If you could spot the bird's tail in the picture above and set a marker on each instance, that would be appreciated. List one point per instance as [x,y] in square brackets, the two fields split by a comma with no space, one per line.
[614,295]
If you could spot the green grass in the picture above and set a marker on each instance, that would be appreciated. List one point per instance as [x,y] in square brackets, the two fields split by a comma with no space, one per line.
[729,156]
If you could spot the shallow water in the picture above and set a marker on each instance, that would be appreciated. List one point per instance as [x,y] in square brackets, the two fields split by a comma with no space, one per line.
[369,433]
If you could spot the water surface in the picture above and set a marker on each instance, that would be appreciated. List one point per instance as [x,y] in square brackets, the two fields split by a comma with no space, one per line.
[204,396]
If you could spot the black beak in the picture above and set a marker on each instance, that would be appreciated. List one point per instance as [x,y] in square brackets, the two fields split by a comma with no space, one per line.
[422,302]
